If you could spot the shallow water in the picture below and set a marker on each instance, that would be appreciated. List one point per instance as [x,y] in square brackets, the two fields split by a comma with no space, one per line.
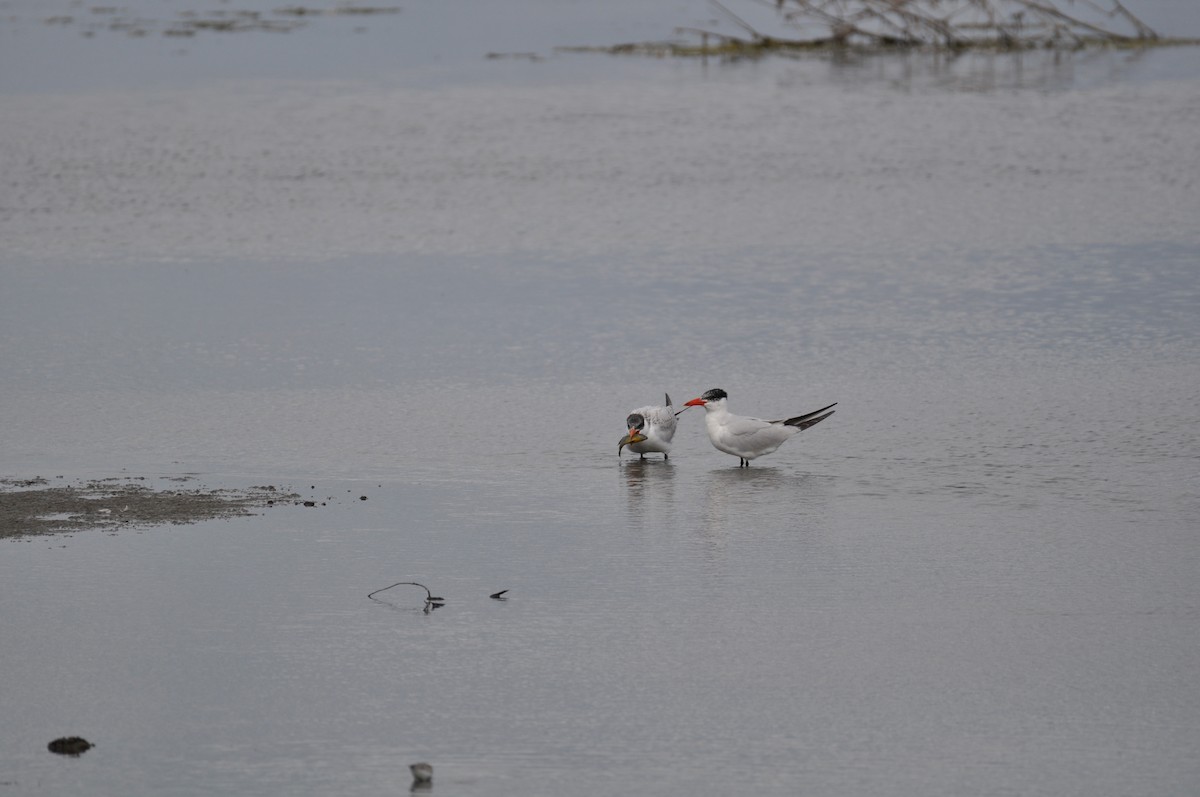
[979,576]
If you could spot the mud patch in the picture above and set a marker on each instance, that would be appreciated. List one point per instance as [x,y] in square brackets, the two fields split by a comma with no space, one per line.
[192,22]
[35,506]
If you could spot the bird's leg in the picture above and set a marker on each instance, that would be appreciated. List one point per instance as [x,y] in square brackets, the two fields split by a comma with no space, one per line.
[665,456]
[642,456]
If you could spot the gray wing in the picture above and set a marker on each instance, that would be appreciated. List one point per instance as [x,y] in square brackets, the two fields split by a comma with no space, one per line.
[662,418]
[747,426]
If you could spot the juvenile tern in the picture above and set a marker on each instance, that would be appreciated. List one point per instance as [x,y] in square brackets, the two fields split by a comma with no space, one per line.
[749,438]
[650,429]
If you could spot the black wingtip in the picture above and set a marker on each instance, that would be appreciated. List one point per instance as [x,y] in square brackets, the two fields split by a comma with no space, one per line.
[668,397]
[499,595]
[805,421]
[801,419]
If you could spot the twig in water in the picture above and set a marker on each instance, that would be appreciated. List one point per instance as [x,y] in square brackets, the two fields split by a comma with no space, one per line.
[429,596]
[741,23]
[1050,11]
[499,595]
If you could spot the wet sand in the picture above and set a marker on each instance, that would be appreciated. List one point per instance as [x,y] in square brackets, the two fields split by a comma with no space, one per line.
[39,506]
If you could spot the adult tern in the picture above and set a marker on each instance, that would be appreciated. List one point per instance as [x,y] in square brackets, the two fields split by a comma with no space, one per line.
[650,429]
[749,438]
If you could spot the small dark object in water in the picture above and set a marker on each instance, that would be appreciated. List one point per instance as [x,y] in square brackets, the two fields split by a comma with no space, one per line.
[74,746]
[362,498]
[500,595]
[422,772]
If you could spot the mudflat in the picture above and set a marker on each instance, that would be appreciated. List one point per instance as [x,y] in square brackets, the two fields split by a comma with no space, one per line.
[41,506]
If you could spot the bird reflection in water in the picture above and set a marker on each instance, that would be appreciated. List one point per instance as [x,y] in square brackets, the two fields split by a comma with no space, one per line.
[649,486]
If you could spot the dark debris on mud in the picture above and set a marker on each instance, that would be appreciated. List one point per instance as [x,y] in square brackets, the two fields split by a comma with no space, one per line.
[188,23]
[72,746]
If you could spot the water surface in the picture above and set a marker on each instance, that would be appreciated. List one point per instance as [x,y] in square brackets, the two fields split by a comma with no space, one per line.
[979,576]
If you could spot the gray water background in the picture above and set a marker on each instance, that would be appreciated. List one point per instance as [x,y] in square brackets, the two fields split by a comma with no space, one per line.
[440,281]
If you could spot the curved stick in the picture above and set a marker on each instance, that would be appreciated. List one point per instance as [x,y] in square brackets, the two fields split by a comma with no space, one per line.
[429,597]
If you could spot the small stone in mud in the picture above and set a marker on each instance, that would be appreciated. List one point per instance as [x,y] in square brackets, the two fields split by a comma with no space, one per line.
[362,498]
[310,503]
[422,772]
[70,745]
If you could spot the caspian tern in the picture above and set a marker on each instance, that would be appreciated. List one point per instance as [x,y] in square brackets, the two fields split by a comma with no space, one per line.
[650,429]
[749,438]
